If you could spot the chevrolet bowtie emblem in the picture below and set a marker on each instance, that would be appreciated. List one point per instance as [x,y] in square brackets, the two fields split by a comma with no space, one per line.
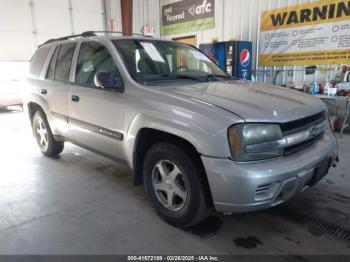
[313,131]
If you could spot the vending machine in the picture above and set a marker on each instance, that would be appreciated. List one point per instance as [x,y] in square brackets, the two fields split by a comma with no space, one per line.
[234,57]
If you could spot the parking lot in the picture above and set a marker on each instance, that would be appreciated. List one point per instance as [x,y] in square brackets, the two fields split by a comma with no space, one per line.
[81,203]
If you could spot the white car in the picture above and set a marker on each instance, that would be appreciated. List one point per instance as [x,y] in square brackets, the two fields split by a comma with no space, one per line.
[11,93]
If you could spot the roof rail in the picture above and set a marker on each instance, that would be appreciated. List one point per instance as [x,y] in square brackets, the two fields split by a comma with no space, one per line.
[84,34]
[113,32]
[87,34]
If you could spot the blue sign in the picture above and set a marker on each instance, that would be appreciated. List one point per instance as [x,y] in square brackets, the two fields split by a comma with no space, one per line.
[244,63]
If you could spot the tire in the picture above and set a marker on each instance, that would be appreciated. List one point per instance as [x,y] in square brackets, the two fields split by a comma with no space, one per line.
[179,176]
[43,134]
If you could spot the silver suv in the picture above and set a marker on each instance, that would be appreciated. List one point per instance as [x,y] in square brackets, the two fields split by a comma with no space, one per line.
[197,139]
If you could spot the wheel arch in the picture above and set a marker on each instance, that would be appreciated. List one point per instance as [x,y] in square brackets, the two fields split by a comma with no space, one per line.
[35,103]
[32,108]
[147,137]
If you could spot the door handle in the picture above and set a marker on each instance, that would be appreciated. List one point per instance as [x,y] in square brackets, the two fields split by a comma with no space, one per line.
[43,91]
[75,98]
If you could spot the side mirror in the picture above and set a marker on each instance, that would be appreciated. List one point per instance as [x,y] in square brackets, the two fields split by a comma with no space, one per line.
[108,81]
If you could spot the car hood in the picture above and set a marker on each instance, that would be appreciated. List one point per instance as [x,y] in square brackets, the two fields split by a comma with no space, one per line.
[254,102]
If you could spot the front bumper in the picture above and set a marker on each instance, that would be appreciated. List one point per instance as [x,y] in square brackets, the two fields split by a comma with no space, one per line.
[243,187]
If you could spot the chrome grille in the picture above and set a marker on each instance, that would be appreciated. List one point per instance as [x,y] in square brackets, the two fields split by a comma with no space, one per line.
[295,148]
[296,126]
[307,134]
[301,125]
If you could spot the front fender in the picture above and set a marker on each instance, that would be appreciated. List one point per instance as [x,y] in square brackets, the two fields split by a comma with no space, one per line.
[209,139]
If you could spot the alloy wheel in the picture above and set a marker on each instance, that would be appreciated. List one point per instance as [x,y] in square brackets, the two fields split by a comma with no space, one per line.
[170,185]
[42,135]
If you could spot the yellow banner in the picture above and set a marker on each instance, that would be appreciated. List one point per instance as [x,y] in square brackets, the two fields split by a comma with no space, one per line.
[310,58]
[305,15]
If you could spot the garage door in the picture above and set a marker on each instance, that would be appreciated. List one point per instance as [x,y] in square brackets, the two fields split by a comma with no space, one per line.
[26,23]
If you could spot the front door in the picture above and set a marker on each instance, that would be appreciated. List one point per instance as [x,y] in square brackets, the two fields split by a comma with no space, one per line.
[95,114]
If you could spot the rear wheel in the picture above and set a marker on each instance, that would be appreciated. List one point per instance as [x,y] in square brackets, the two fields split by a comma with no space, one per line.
[174,186]
[42,131]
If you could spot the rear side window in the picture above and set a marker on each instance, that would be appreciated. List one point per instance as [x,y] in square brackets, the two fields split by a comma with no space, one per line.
[51,70]
[38,60]
[63,63]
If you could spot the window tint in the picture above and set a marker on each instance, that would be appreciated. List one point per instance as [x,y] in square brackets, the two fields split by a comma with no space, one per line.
[63,62]
[93,58]
[38,60]
[51,70]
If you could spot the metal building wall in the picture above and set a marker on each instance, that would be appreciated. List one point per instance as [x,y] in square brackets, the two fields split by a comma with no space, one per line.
[240,20]
[24,24]
[146,12]
[113,15]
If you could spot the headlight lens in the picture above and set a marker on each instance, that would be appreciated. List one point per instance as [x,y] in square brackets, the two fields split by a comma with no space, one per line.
[249,142]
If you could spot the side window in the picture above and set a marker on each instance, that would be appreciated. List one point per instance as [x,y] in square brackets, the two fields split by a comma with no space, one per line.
[93,58]
[63,63]
[50,74]
[38,60]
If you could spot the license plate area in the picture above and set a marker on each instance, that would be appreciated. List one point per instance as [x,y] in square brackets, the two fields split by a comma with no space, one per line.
[321,169]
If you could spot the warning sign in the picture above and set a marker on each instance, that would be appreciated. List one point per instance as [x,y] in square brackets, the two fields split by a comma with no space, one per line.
[315,33]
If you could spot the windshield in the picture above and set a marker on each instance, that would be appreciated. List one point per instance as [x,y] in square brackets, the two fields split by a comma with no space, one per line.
[152,61]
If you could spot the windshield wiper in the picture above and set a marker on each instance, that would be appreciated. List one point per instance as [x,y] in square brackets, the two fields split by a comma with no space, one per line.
[200,78]
[177,76]
[222,76]
[187,77]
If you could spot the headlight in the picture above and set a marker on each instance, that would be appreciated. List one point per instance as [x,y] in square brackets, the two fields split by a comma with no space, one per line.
[249,142]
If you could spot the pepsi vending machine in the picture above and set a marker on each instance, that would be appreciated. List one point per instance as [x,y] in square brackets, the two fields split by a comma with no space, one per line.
[234,57]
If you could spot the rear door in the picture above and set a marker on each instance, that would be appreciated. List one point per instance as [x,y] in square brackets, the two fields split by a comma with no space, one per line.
[96,115]
[56,91]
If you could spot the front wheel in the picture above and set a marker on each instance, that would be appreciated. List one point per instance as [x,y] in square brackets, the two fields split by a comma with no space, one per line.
[173,184]
[42,132]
